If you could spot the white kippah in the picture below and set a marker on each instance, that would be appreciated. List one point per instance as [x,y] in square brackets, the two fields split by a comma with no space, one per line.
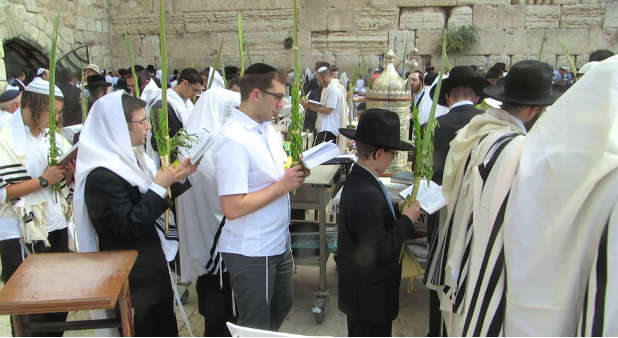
[40,71]
[322,69]
[41,86]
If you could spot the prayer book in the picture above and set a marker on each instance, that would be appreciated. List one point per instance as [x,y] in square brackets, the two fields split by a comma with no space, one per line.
[318,103]
[430,196]
[69,155]
[206,140]
[319,154]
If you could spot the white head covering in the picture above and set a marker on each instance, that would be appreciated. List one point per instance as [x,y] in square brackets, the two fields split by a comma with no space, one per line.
[217,82]
[104,142]
[588,66]
[41,86]
[344,80]
[199,208]
[40,71]
[554,220]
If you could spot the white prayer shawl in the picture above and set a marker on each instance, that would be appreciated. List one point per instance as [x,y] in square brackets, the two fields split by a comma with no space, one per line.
[448,248]
[558,206]
[599,308]
[178,104]
[199,208]
[20,150]
[424,107]
[218,81]
[105,142]
[150,91]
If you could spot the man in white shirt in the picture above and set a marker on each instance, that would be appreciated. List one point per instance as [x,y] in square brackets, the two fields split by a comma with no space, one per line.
[10,101]
[330,108]
[253,187]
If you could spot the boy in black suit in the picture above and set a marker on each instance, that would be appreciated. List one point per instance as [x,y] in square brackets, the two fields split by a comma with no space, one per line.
[372,230]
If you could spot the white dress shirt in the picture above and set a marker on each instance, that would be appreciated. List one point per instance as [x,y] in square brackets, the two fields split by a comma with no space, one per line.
[249,157]
[334,99]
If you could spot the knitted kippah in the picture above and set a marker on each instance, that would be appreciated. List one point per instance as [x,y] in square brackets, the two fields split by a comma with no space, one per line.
[41,86]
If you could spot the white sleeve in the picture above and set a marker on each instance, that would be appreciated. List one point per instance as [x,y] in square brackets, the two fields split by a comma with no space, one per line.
[332,96]
[231,167]
[159,190]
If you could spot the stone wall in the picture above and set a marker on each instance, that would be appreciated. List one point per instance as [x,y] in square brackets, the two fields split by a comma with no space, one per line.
[332,30]
[81,21]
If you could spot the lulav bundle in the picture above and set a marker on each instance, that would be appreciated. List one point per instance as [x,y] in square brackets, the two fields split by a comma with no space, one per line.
[130,51]
[297,118]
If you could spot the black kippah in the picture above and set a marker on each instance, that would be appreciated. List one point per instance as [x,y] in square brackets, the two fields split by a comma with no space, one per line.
[260,68]
[9,95]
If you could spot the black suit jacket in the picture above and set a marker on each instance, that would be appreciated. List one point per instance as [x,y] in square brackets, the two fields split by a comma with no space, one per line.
[124,219]
[369,245]
[72,108]
[447,128]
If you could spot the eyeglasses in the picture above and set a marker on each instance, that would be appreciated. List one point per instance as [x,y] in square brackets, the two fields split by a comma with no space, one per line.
[394,152]
[143,121]
[279,97]
[197,90]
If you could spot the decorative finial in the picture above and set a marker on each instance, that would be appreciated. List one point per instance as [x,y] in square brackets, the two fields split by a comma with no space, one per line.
[390,57]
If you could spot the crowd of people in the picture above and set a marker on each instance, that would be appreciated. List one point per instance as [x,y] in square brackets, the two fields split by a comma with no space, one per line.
[524,246]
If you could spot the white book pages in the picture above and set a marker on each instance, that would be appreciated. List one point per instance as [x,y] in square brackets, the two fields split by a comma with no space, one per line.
[205,141]
[69,155]
[430,197]
[319,154]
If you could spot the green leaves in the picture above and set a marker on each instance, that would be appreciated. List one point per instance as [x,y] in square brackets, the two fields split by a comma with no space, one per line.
[160,127]
[297,118]
[462,39]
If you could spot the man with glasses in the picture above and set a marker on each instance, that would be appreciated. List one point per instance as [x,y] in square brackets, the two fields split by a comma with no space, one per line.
[254,188]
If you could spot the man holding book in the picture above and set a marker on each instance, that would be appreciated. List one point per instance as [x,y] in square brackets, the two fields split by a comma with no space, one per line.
[372,230]
[253,188]
[329,109]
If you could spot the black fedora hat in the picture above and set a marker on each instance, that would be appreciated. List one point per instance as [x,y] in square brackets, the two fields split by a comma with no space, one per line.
[528,82]
[380,128]
[461,76]
[96,81]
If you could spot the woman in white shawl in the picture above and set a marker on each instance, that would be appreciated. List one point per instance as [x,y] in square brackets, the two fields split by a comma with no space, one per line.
[32,217]
[200,216]
[121,196]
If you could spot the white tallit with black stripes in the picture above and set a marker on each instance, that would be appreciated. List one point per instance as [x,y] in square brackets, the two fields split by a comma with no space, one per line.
[199,209]
[473,206]
[559,206]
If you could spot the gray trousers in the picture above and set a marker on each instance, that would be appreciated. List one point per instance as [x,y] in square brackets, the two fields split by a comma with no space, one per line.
[264,295]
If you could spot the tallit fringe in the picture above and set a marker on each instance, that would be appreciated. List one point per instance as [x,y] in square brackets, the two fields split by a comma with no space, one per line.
[32,221]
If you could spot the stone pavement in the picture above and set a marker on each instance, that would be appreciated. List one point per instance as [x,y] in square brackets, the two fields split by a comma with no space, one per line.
[412,320]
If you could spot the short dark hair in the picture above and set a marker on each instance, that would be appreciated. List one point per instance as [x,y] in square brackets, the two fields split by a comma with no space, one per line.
[365,150]
[513,108]
[260,81]
[142,76]
[492,74]
[420,75]
[191,75]
[431,76]
[233,81]
[130,104]
[600,55]
[37,103]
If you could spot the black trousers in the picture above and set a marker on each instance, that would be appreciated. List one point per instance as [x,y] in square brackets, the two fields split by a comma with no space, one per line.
[324,136]
[215,304]
[435,317]
[158,320]
[10,255]
[358,328]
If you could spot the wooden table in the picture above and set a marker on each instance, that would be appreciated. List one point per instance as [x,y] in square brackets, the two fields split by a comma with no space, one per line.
[63,282]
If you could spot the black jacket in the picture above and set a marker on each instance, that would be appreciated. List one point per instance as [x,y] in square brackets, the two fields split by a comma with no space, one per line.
[447,128]
[72,107]
[124,219]
[369,245]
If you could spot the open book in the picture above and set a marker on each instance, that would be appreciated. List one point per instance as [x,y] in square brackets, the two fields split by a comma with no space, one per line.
[317,103]
[69,155]
[430,197]
[319,154]
[205,141]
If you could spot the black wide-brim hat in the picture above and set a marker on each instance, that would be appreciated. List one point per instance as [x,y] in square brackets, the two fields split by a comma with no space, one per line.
[461,76]
[96,81]
[528,83]
[380,128]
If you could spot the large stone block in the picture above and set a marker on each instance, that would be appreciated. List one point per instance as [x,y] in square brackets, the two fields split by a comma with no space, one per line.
[590,15]
[511,16]
[340,20]
[572,39]
[460,16]
[422,18]
[313,19]
[427,41]
[482,2]
[424,3]
[523,41]
[490,42]
[493,59]
[542,16]
[485,16]
[611,15]
[399,40]
[602,39]
[371,43]
[350,3]
[253,21]
[147,23]
[372,19]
